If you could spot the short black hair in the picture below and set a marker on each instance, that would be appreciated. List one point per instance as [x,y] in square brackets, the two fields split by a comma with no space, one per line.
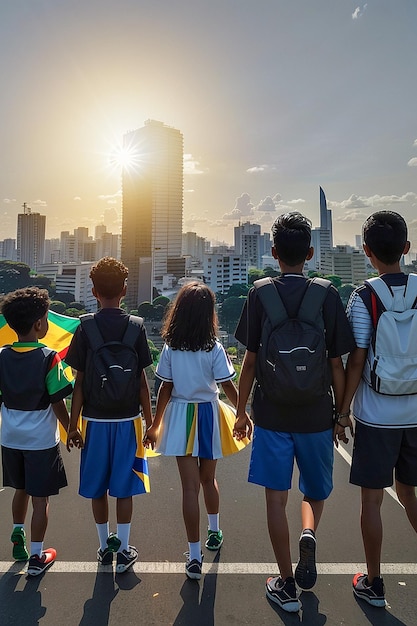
[385,234]
[23,307]
[109,277]
[291,233]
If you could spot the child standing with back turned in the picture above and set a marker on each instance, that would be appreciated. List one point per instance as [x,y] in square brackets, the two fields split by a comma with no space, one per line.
[190,422]
[112,434]
[33,386]
[386,425]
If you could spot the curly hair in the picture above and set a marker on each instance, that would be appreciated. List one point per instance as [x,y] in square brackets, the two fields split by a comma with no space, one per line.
[109,276]
[191,320]
[23,307]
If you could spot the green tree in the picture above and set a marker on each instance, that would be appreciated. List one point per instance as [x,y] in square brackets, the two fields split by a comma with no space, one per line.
[58,306]
[72,312]
[255,274]
[13,276]
[153,350]
[271,272]
[230,311]
[237,290]
[345,291]
[161,301]
[146,310]
[335,280]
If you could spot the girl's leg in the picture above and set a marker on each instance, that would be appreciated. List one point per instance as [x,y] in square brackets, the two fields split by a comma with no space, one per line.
[371,526]
[276,502]
[100,508]
[20,506]
[407,496]
[190,480]
[209,483]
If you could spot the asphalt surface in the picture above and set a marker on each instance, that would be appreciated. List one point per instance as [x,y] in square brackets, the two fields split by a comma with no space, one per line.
[231,592]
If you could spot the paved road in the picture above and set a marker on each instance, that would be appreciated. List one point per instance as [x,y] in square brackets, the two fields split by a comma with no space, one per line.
[231,592]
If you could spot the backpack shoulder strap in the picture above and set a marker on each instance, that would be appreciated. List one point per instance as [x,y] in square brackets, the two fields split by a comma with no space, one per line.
[89,326]
[411,291]
[271,300]
[313,299]
[133,330]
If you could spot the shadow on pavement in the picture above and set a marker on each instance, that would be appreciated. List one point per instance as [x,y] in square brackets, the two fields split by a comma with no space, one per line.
[198,609]
[20,606]
[97,609]
[378,616]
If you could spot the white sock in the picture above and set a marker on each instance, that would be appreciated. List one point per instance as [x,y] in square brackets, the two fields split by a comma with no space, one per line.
[195,550]
[213,521]
[103,533]
[36,547]
[18,526]
[123,532]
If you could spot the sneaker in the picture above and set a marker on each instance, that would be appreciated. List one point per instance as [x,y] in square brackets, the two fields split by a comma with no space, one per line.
[105,557]
[125,559]
[283,593]
[373,594]
[193,568]
[38,564]
[306,571]
[18,539]
[214,539]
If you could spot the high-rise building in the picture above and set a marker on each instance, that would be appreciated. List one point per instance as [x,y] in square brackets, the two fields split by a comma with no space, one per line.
[152,209]
[30,237]
[322,237]
[251,244]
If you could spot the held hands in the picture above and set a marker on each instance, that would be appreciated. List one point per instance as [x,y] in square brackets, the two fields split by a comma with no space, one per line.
[150,437]
[74,439]
[339,430]
[243,427]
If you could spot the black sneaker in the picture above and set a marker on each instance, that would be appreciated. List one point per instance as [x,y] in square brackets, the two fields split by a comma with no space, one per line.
[193,568]
[306,571]
[283,593]
[373,594]
[39,564]
[125,559]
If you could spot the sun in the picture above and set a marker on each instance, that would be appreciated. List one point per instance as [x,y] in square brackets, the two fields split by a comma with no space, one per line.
[125,158]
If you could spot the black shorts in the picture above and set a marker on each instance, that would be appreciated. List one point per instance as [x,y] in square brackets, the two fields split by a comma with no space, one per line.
[40,473]
[378,452]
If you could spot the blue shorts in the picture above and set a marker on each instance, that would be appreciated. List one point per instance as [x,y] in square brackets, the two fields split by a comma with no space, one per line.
[108,459]
[273,455]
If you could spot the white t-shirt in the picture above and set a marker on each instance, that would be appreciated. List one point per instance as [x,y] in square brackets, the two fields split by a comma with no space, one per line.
[195,374]
[369,407]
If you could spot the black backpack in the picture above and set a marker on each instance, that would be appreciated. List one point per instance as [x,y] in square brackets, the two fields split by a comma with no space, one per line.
[291,365]
[111,382]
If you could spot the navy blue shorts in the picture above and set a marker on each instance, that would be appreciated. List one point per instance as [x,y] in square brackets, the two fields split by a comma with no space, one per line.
[273,455]
[378,453]
[40,473]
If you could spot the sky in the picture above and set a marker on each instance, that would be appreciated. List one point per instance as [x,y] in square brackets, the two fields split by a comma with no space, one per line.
[274,99]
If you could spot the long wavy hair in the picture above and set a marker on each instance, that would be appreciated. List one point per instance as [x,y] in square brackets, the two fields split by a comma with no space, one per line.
[191,321]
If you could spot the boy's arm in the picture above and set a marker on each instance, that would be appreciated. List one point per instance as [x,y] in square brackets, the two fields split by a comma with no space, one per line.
[230,390]
[338,386]
[164,394]
[243,425]
[61,413]
[145,399]
[74,437]
[354,369]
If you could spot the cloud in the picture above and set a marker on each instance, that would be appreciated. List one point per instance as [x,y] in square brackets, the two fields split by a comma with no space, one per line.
[243,208]
[352,215]
[77,198]
[258,169]
[192,167]
[112,196]
[415,143]
[358,12]
[412,162]
[353,207]
[39,203]
[266,205]
[8,200]
[296,201]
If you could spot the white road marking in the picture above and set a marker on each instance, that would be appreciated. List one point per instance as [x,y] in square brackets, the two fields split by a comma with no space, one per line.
[346,456]
[80,567]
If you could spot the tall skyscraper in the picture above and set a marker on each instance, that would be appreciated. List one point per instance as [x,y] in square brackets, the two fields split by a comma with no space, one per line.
[152,208]
[30,237]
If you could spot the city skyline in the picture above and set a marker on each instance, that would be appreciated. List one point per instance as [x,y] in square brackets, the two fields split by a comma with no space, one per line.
[273,99]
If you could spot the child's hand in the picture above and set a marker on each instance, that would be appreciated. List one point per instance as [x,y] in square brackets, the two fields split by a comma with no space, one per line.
[74,439]
[243,427]
[339,432]
[150,437]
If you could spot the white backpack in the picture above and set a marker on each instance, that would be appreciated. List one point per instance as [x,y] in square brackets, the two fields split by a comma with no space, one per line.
[391,365]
